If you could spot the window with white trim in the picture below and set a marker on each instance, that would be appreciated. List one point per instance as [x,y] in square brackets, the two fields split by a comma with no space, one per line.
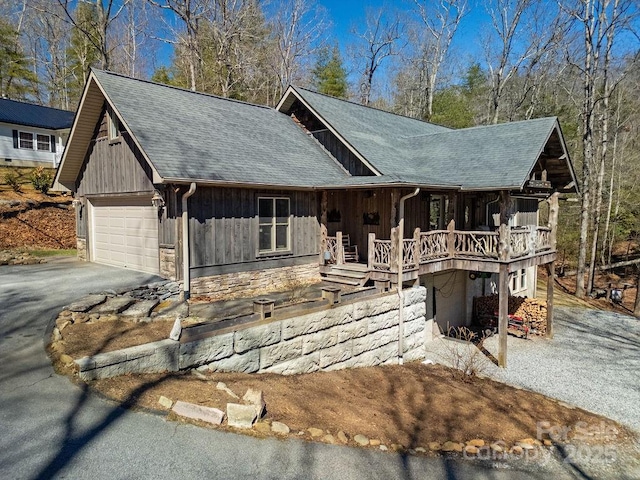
[44,142]
[519,281]
[274,224]
[25,140]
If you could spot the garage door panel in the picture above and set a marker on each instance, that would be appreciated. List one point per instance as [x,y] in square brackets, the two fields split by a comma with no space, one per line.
[125,233]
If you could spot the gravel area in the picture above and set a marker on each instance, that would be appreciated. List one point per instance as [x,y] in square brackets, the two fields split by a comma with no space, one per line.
[592,362]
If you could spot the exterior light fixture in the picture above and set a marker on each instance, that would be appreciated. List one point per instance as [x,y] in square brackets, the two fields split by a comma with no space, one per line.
[77,202]
[157,200]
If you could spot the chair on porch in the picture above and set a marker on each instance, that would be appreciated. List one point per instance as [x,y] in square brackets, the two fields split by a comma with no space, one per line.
[350,251]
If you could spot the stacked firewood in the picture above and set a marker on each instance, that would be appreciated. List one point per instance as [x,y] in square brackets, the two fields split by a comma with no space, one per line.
[531,310]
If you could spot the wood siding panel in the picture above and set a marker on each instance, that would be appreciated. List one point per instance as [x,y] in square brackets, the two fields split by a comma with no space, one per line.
[224,226]
[114,168]
[341,153]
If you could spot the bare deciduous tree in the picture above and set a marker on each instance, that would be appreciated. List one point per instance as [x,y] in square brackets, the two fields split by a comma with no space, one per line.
[378,41]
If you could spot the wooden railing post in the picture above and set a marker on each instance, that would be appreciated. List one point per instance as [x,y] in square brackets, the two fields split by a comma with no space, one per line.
[371,251]
[451,238]
[416,247]
[393,260]
[553,219]
[323,226]
[532,241]
[504,242]
[339,249]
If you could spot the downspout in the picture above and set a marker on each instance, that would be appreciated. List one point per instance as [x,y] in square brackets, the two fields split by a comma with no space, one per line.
[186,278]
[400,269]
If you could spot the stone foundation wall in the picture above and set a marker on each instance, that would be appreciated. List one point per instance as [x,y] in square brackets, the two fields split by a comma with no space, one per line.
[81,246]
[359,334]
[168,263]
[255,282]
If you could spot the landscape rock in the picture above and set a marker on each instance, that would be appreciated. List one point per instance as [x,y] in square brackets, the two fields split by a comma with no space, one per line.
[476,442]
[361,440]
[80,318]
[384,448]
[421,450]
[255,398]
[223,386]
[176,330]
[496,448]
[198,375]
[56,334]
[471,450]
[240,416]
[198,412]
[87,303]
[374,442]
[315,432]
[342,437]
[140,308]
[66,359]
[434,446]
[517,449]
[547,443]
[113,305]
[262,427]
[165,402]
[279,427]
[450,446]
[396,447]
[330,439]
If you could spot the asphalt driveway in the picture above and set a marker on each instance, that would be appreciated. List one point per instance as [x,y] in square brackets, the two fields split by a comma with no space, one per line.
[51,428]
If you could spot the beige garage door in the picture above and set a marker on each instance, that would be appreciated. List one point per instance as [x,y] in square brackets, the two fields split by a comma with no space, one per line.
[124,233]
[450,299]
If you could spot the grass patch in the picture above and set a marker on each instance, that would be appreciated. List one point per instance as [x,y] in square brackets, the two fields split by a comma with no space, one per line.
[53,253]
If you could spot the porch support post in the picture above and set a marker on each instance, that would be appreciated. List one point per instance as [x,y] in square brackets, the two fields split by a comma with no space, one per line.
[551,278]
[323,226]
[395,198]
[503,314]
[371,250]
[553,219]
[339,249]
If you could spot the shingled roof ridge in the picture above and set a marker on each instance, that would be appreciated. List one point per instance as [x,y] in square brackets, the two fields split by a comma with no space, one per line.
[186,90]
[296,87]
[24,102]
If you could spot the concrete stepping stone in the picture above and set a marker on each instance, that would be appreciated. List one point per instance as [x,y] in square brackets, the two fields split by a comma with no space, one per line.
[113,305]
[141,308]
[87,303]
[198,412]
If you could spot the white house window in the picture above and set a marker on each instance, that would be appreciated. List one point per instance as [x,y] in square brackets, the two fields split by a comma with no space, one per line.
[519,281]
[113,125]
[273,218]
[26,140]
[44,143]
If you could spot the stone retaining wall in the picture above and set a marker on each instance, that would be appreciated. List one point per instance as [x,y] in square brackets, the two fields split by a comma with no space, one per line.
[168,263]
[255,282]
[361,333]
[81,246]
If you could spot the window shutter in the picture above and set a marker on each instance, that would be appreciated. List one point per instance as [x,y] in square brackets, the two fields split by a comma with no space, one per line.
[15,139]
[53,143]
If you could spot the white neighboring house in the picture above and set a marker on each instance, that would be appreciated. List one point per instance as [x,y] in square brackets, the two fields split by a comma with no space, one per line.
[32,135]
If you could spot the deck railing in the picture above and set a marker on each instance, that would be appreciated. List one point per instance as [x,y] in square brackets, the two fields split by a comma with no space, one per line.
[425,247]
[332,248]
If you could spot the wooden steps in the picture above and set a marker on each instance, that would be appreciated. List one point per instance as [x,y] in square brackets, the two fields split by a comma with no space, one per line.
[354,274]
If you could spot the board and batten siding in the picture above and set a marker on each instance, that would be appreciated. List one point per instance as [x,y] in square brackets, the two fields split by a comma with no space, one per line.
[223,230]
[113,166]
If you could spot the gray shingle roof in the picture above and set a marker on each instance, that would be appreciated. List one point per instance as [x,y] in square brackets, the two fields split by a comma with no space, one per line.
[189,135]
[406,150]
[500,155]
[31,115]
[372,132]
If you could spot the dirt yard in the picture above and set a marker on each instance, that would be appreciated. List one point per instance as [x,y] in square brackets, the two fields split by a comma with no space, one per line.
[31,220]
[412,406]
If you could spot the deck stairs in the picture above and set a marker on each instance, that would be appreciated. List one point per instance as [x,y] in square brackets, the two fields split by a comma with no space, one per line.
[354,274]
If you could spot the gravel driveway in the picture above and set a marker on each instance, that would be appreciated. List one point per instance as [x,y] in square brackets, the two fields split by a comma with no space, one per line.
[592,362]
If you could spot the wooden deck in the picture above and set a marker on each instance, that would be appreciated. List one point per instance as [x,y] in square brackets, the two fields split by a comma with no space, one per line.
[439,250]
